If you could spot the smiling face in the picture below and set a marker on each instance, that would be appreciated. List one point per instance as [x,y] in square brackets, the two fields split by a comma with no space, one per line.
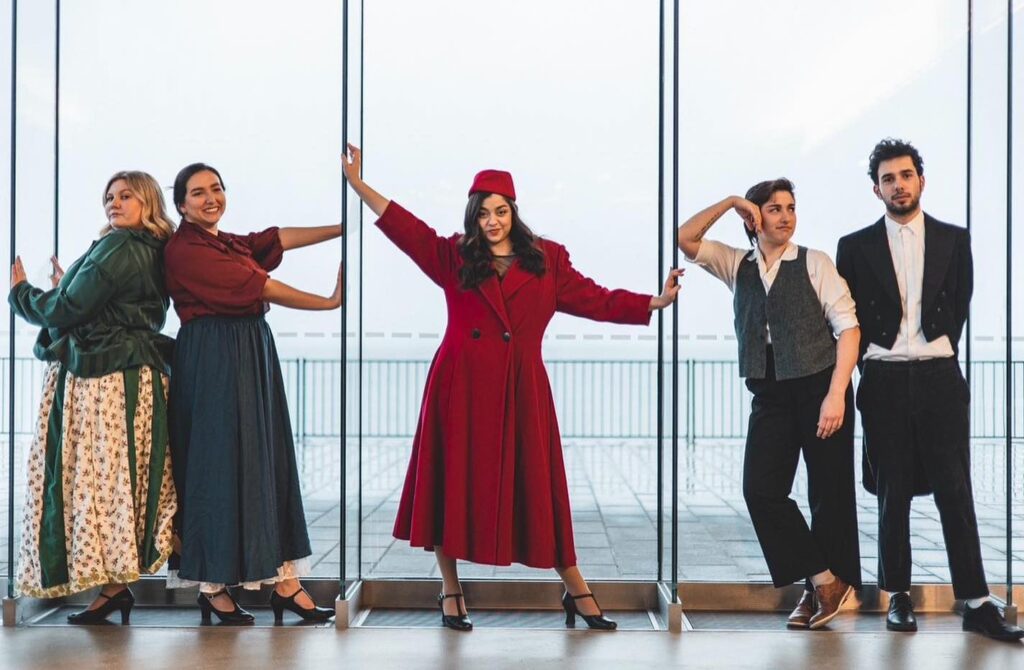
[899,186]
[495,220]
[778,218]
[123,207]
[205,200]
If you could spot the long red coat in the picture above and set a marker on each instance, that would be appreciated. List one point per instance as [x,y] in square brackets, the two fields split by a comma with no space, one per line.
[486,480]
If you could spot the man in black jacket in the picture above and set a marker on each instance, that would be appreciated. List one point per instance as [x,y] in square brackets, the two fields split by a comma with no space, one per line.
[912,277]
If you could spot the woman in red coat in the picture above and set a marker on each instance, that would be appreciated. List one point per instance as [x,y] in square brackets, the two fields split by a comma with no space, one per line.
[486,482]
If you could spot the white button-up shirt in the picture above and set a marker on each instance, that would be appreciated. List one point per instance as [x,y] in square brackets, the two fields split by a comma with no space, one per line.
[906,246]
[723,261]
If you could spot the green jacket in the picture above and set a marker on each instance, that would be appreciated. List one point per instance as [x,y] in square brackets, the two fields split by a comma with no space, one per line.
[108,310]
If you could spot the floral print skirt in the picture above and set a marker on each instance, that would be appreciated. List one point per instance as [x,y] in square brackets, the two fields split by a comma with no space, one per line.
[100,499]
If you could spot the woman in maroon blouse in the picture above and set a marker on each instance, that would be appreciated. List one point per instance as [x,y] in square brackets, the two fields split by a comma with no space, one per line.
[240,509]
[486,481]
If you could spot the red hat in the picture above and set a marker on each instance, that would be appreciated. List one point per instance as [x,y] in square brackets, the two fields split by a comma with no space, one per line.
[493,181]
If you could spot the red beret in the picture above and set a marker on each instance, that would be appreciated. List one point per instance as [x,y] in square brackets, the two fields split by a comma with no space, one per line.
[493,181]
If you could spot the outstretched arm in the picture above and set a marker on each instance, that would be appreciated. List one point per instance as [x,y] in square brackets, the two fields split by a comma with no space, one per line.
[293,238]
[692,232]
[669,293]
[352,165]
[64,307]
[282,294]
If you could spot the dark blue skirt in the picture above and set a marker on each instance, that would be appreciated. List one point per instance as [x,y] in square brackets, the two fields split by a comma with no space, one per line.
[239,506]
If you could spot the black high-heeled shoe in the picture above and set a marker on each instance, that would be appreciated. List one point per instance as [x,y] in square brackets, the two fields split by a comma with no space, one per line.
[459,622]
[122,600]
[596,621]
[280,603]
[236,617]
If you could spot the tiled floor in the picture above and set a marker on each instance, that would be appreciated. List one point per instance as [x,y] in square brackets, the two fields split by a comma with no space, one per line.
[613,486]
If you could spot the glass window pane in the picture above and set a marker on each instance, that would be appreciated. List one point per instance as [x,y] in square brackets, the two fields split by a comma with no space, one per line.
[574,118]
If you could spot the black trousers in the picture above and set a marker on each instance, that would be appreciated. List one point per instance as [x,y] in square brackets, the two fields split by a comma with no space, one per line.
[915,417]
[783,423]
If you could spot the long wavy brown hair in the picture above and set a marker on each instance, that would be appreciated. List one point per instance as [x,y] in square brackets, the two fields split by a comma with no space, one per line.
[476,252]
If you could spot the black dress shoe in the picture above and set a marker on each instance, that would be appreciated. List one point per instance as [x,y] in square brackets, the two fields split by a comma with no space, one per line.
[279,603]
[236,617]
[988,620]
[596,621]
[122,600]
[901,614]
[459,622]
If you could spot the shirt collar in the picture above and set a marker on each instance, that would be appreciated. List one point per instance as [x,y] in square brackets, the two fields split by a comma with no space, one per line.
[221,240]
[790,254]
[915,225]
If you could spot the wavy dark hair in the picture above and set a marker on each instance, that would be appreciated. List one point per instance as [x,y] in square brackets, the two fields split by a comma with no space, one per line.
[476,254]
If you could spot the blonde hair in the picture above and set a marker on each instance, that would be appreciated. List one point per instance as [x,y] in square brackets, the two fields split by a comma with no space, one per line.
[154,217]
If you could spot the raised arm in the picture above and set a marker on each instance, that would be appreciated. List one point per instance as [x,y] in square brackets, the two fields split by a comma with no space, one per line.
[352,165]
[692,232]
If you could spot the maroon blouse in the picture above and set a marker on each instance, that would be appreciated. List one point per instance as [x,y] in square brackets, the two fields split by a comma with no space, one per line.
[220,275]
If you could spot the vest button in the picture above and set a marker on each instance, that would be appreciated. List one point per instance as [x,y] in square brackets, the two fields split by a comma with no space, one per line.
[476,333]
[506,336]
[878,317]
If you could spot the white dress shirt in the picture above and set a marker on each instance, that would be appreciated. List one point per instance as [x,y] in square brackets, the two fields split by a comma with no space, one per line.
[723,261]
[906,246]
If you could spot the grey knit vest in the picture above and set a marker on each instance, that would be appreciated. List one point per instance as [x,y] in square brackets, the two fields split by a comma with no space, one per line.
[801,336]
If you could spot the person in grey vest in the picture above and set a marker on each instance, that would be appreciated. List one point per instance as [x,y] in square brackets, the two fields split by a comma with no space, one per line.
[790,304]
[912,277]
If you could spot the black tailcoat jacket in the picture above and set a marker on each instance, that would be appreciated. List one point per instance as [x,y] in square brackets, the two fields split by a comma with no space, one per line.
[864,260]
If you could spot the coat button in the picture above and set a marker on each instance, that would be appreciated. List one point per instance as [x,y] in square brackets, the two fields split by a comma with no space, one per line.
[871,302]
[878,317]
[506,336]
[938,309]
[884,333]
[476,333]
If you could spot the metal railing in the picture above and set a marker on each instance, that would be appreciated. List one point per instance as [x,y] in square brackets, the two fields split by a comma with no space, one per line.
[593,398]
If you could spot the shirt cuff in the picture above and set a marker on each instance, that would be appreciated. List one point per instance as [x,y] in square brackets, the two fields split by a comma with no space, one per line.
[843,323]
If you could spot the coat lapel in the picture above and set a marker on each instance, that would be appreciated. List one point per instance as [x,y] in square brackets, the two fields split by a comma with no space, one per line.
[514,280]
[491,291]
[938,250]
[880,258]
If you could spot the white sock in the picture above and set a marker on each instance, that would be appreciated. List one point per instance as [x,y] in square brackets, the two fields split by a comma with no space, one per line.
[822,578]
[975,603]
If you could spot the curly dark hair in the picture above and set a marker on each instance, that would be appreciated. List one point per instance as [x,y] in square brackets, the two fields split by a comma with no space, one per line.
[888,149]
[762,192]
[476,252]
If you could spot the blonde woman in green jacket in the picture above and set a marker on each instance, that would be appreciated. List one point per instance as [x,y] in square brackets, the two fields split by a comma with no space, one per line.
[100,499]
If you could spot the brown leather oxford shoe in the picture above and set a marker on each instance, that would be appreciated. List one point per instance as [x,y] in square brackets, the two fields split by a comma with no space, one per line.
[831,597]
[805,609]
